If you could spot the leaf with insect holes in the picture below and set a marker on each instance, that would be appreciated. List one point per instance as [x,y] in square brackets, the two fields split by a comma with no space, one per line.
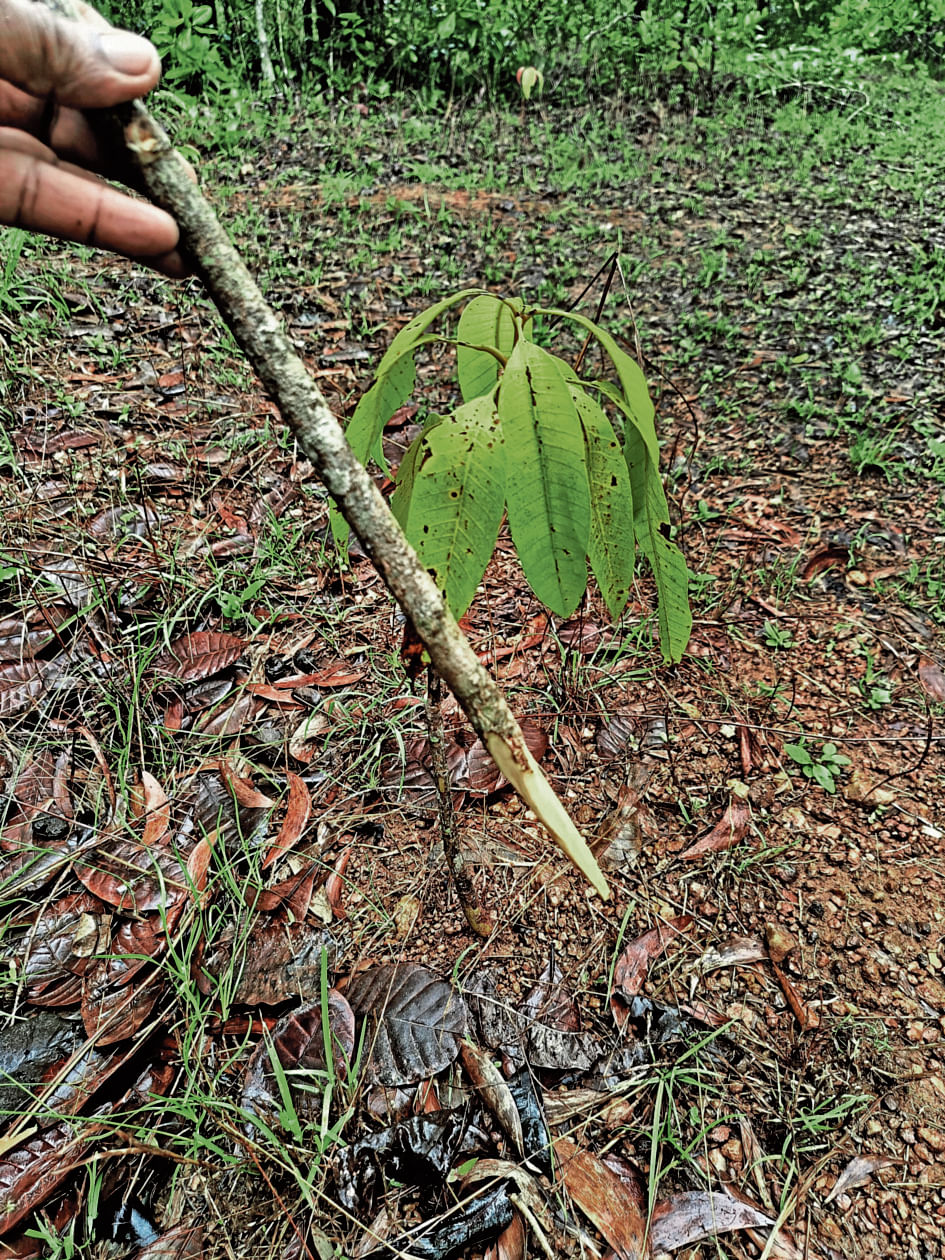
[198,655]
[456,500]
[413,1020]
[612,543]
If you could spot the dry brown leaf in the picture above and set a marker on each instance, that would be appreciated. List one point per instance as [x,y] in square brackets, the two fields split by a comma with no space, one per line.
[729,830]
[633,963]
[198,655]
[297,812]
[780,942]
[690,1217]
[616,1208]
[857,1173]
[737,951]
[932,678]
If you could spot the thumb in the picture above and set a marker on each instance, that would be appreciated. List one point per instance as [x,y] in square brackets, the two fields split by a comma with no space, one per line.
[84,65]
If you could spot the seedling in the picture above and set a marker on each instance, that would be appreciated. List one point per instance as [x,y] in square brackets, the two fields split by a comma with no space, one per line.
[823,768]
[874,688]
[531,439]
[777,637]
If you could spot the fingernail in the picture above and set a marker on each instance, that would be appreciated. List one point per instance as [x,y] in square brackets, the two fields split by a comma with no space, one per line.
[127,53]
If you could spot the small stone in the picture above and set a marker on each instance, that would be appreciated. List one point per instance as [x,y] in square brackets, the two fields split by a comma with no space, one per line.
[780,943]
[732,1150]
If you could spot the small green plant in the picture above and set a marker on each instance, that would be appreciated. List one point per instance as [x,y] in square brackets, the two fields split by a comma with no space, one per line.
[531,439]
[823,768]
[777,637]
[529,79]
[873,686]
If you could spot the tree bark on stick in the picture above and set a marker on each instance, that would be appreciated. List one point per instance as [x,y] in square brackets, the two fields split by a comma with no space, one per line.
[169,183]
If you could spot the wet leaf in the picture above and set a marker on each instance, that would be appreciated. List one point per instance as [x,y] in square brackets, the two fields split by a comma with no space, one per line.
[183,1242]
[690,1217]
[30,1173]
[199,655]
[617,1208]
[492,1088]
[113,1012]
[550,1003]
[634,961]
[20,683]
[69,932]
[132,878]
[279,961]
[510,1245]
[414,1021]
[299,1039]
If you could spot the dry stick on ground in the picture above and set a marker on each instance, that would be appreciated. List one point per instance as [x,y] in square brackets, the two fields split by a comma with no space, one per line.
[169,184]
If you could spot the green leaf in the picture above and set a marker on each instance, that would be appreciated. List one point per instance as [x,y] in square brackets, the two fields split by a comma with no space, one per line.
[409,336]
[400,499]
[486,321]
[457,499]
[611,544]
[822,775]
[366,427]
[546,491]
[532,78]
[637,403]
[650,521]
[798,753]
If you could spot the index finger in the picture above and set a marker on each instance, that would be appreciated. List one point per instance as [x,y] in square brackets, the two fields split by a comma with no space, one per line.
[42,195]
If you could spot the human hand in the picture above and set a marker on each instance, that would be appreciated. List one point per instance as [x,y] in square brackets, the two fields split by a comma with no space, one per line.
[50,71]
